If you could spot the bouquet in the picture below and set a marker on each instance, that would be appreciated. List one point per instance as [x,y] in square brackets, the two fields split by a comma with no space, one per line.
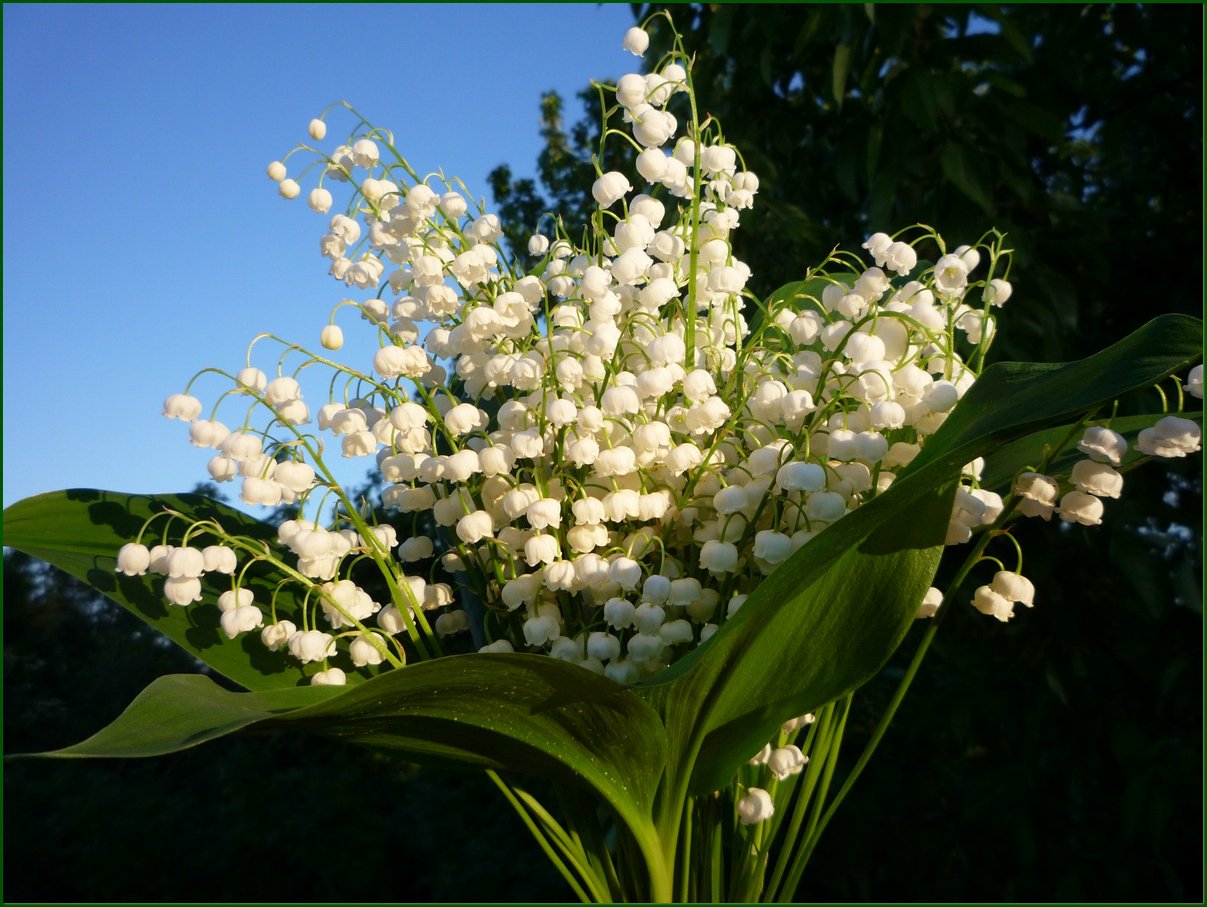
[639,531]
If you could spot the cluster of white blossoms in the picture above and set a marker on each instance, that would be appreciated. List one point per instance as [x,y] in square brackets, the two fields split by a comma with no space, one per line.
[612,448]
[1077,496]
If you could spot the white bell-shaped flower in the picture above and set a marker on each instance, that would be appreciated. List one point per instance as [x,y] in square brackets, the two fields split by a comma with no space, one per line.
[1080,507]
[219,559]
[332,677]
[311,645]
[719,557]
[610,188]
[1014,587]
[133,559]
[619,613]
[878,245]
[451,622]
[182,590]
[1097,479]
[182,406]
[1103,445]
[636,41]
[951,275]
[786,761]
[1194,382]
[186,562]
[930,603]
[541,549]
[541,630]
[1038,494]
[274,636]
[241,620]
[499,646]
[755,806]
[1172,436]
[992,603]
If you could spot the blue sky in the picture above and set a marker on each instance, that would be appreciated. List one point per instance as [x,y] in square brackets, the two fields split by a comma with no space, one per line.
[142,239]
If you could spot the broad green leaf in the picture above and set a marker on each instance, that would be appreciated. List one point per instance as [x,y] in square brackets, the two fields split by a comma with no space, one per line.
[514,713]
[81,530]
[842,63]
[832,614]
[180,711]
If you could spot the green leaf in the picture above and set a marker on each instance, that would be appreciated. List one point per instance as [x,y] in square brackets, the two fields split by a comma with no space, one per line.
[180,711]
[842,63]
[513,713]
[835,611]
[964,175]
[81,530]
[918,98]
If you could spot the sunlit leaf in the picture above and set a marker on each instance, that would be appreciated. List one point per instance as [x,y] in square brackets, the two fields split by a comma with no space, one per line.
[81,530]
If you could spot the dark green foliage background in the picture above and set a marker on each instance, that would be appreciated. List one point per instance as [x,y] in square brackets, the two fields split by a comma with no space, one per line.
[1055,758]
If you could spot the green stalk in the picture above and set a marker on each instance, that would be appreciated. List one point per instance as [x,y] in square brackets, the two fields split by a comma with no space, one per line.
[541,840]
[811,833]
[686,876]
[903,686]
[599,857]
[571,847]
[819,734]
[716,849]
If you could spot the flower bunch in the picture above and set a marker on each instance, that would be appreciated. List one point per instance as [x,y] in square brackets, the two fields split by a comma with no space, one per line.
[615,444]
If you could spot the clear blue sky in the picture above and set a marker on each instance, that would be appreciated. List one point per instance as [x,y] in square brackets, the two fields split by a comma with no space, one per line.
[142,239]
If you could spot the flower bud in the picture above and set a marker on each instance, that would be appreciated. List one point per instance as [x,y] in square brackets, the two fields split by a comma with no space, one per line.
[319,200]
[636,41]
[318,130]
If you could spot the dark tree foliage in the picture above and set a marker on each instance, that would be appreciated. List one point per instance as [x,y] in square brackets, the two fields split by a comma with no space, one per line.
[1058,757]
[1075,130]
